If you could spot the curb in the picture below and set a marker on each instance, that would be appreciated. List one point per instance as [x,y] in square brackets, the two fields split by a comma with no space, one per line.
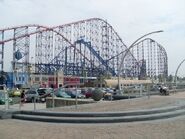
[100,117]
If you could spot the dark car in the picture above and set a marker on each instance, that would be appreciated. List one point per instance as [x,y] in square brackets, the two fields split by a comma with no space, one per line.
[164,90]
[44,92]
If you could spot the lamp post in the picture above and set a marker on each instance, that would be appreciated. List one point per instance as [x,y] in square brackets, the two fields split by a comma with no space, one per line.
[127,50]
[177,72]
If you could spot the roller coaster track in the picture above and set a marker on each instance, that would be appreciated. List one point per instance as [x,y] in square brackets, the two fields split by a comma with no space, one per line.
[103,62]
[35,32]
[56,48]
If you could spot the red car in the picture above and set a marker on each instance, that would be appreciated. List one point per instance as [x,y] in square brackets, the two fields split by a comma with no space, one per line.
[88,93]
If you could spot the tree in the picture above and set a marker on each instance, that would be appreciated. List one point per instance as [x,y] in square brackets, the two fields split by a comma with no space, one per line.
[160,77]
[170,78]
[100,81]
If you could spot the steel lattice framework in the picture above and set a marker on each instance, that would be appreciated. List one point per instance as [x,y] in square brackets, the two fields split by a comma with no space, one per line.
[152,58]
[84,48]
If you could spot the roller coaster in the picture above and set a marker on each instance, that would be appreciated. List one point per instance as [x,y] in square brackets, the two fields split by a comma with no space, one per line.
[88,47]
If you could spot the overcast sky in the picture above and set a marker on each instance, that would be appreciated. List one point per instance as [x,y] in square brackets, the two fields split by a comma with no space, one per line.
[130,18]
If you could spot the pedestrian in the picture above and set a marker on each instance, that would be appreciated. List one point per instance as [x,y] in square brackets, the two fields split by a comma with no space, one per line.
[22,97]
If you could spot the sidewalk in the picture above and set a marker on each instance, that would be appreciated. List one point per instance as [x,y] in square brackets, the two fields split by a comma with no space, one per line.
[26,106]
[173,128]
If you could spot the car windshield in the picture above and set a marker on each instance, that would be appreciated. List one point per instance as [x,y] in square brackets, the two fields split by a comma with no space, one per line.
[30,92]
[44,90]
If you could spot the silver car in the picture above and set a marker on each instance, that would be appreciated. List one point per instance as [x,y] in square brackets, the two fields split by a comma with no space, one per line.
[30,95]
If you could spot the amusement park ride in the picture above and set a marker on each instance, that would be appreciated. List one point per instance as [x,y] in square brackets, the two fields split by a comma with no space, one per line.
[91,46]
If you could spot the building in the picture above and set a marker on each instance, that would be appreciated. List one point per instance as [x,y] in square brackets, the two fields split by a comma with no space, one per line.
[19,80]
[16,80]
[55,80]
[113,83]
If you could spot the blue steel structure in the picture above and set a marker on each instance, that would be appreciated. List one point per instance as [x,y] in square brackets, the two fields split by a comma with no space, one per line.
[95,53]
[88,47]
[76,58]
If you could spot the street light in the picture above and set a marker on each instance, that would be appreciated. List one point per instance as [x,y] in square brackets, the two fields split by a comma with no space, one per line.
[177,72]
[127,50]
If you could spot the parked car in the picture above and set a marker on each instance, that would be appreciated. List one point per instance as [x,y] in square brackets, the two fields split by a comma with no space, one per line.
[61,93]
[164,90]
[14,92]
[88,93]
[2,98]
[43,93]
[30,95]
[83,90]
[107,96]
[17,93]
[75,93]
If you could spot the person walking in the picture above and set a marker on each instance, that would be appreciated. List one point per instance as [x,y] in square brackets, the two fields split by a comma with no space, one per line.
[22,97]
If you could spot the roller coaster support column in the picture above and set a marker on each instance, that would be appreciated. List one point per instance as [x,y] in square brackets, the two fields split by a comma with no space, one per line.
[128,50]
